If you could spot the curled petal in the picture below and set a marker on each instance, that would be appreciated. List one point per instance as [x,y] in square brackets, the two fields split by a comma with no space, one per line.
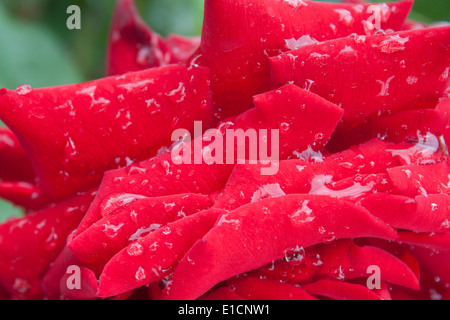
[433,241]
[102,124]
[153,257]
[338,290]
[422,214]
[311,174]
[221,293]
[414,180]
[258,233]
[400,71]
[344,261]
[397,127]
[14,163]
[252,288]
[23,194]
[29,244]
[238,52]
[133,46]
[161,176]
[100,242]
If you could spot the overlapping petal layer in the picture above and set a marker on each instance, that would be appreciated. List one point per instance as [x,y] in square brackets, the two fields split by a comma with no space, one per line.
[73,134]
[134,46]
[356,179]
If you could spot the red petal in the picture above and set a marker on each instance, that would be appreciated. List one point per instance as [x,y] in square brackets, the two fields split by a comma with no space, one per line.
[221,293]
[153,257]
[238,53]
[416,180]
[397,127]
[305,120]
[340,290]
[105,238]
[255,234]
[104,124]
[433,240]
[365,75]
[443,110]
[23,194]
[88,286]
[422,214]
[29,244]
[246,183]
[14,163]
[272,111]
[251,288]
[437,263]
[343,260]
[51,281]
[133,46]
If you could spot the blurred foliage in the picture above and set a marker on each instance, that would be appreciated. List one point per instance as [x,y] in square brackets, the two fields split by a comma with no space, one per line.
[36,47]
[83,50]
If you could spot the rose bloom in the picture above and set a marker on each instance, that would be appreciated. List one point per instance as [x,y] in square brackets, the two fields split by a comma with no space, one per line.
[357,209]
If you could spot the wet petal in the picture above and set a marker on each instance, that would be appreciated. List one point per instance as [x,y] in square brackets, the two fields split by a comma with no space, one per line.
[29,244]
[133,46]
[159,252]
[400,71]
[258,233]
[100,242]
[238,53]
[14,163]
[102,124]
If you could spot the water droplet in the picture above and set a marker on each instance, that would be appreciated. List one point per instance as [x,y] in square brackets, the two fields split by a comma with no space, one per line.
[330,238]
[118,179]
[153,246]
[169,206]
[338,273]
[111,230]
[133,216]
[346,165]
[117,201]
[140,274]
[132,170]
[175,121]
[295,256]
[52,241]
[168,245]
[21,285]
[135,249]
[70,212]
[24,89]
[177,95]
[203,104]
[284,126]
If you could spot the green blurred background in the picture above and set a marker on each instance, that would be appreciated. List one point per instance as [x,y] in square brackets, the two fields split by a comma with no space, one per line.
[36,47]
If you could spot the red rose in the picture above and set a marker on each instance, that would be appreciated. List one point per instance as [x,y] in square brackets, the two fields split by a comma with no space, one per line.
[354,103]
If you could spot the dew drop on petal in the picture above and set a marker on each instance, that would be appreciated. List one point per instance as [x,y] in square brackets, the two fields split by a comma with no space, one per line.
[141,274]
[135,249]
[24,89]
[21,285]
[295,256]
[329,238]
[52,241]
[284,126]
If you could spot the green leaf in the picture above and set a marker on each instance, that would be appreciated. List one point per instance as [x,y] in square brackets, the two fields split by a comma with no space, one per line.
[30,54]
[7,210]
[183,17]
